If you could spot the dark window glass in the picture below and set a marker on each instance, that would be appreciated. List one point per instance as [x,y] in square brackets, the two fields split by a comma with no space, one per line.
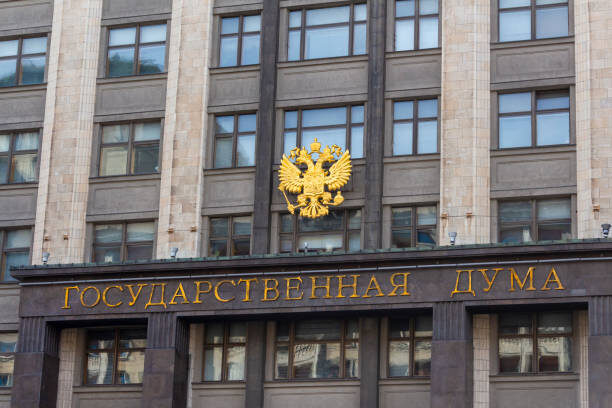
[123,242]
[535,220]
[18,157]
[416,24]
[230,236]
[419,223]
[130,148]
[240,40]
[235,139]
[15,246]
[225,351]
[410,346]
[137,50]
[521,20]
[22,61]
[415,127]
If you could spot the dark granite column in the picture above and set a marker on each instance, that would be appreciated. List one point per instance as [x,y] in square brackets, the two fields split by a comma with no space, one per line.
[265,128]
[369,339]
[166,368]
[375,129]
[36,370]
[600,352]
[255,366]
[451,356]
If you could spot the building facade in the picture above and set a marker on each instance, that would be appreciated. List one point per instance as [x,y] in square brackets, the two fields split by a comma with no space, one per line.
[140,145]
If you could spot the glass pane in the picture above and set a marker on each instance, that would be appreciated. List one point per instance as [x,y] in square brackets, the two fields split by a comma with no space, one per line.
[428,35]
[286,244]
[402,138]
[214,333]
[24,168]
[286,223]
[515,234]
[321,242]
[106,234]
[8,342]
[246,150]
[230,25]
[553,128]
[141,231]
[121,62]
[404,35]
[18,239]
[515,102]
[235,363]
[352,329]
[423,326]
[399,328]
[223,152]
[401,217]
[252,23]
[399,358]
[404,8]
[551,22]
[133,338]
[14,259]
[319,329]
[515,211]
[316,360]
[291,120]
[295,19]
[289,142]
[114,161]
[250,49]
[513,3]
[237,332]
[139,253]
[281,366]
[354,219]
[357,114]
[554,323]
[327,137]
[359,39]
[426,215]
[332,222]
[26,141]
[8,72]
[422,357]
[100,368]
[403,110]
[122,36]
[357,142]
[515,355]
[107,254]
[544,2]
[401,239]
[246,123]
[295,39]
[5,143]
[555,232]
[354,243]
[33,70]
[224,124]
[100,339]
[555,354]
[145,159]
[218,248]
[554,209]
[282,331]
[228,56]
[351,360]
[515,25]
[330,15]
[153,33]
[428,6]
[4,169]
[241,246]
[130,367]
[360,12]
[327,42]
[9,48]
[213,364]
[514,131]
[514,323]
[152,59]
[426,238]
[428,108]
[242,225]
[555,100]
[115,133]
[146,131]
[324,117]
[427,141]
[219,227]
[7,365]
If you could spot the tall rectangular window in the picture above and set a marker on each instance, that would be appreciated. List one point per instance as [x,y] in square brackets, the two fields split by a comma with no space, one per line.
[18,157]
[317,349]
[535,342]
[15,246]
[239,40]
[410,346]
[127,241]
[22,61]
[327,32]
[115,356]
[535,220]
[130,148]
[225,351]
[416,24]
[230,236]
[413,226]
[534,119]
[235,140]
[8,345]
[136,50]
[415,127]
[342,126]
[521,20]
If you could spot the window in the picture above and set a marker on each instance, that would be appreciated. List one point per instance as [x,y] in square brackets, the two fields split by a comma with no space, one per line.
[535,220]
[410,346]
[521,20]
[8,345]
[130,148]
[123,241]
[22,61]
[415,127]
[240,41]
[230,236]
[342,126]
[225,351]
[416,24]
[136,50]
[18,157]
[535,342]
[235,141]
[115,356]
[310,349]
[15,250]
[534,119]
[327,32]
[410,222]
[341,229]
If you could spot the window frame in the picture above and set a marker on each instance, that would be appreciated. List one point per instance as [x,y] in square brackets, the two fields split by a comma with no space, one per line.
[234,135]
[417,26]
[533,7]
[124,244]
[412,339]
[225,345]
[136,45]
[11,153]
[414,227]
[20,56]
[415,125]
[230,233]
[4,250]
[240,35]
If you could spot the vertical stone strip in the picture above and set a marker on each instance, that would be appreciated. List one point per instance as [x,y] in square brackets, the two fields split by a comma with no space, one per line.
[68,127]
[583,346]
[184,129]
[67,368]
[593,113]
[255,368]
[465,127]
[600,351]
[369,361]
[482,340]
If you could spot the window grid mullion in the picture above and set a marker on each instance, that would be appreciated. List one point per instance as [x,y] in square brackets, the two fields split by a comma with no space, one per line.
[9,176]
[417,24]
[342,347]
[303,35]
[351,29]
[534,221]
[240,38]
[415,126]
[235,142]
[19,74]
[116,358]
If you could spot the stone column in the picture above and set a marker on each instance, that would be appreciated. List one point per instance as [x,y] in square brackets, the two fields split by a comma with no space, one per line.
[451,357]
[583,362]
[369,361]
[482,357]
[180,219]
[255,367]
[166,362]
[68,363]
[68,128]
[35,376]
[465,127]
[600,352]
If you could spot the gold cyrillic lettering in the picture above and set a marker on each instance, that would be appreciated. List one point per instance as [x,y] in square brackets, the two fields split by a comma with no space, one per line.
[247,288]
[373,285]
[218,285]
[180,292]
[403,285]
[553,277]
[162,301]
[268,289]
[105,293]
[68,289]
[342,286]
[200,291]
[469,290]
[315,287]
[135,296]
[521,284]
[491,281]
[291,287]
[94,304]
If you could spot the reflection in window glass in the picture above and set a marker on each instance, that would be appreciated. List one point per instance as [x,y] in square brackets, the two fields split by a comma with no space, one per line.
[240,40]
[137,50]
[410,346]
[225,351]
[235,141]
[230,236]
[123,242]
[420,135]
[339,230]
[516,16]
[412,23]
[23,61]
[129,149]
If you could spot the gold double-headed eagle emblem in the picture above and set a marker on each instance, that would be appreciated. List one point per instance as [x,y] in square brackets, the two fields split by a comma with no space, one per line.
[314,200]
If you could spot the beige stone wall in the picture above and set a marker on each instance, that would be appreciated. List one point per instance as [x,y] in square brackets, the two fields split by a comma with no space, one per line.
[68,128]
[481,341]
[465,127]
[185,129]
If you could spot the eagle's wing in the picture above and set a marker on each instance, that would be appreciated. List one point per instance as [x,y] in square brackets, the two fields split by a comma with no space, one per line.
[290,177]
[339,173]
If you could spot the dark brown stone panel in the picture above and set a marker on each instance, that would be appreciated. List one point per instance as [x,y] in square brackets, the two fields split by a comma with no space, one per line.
[369,361]
[255,366]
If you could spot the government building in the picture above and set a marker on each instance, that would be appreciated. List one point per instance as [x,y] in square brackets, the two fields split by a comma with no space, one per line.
[305,203]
